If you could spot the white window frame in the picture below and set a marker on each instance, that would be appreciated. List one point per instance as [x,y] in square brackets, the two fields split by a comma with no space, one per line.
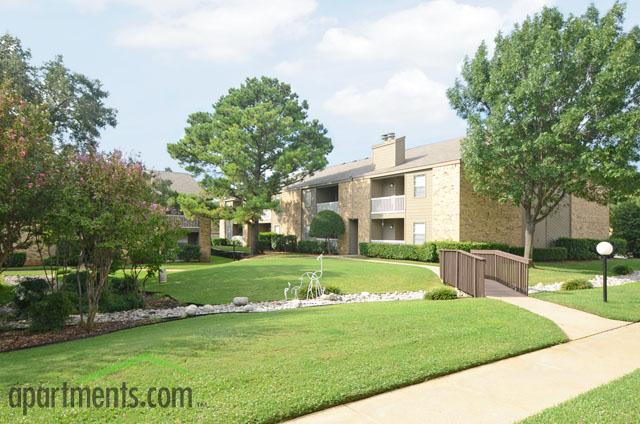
[276,229]
[423,193]
[423,234]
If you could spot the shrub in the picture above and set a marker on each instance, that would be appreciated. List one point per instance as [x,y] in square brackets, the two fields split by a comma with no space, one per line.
[620,245]
[112,301]
[578,249]
[264,241]
[50,313]
[221,241]
[28,292]
[312,246]
[577,284]
[621,270]
[16,260]
[124,285]
[327,225]
[283,242]
[332,289]
[441,293]
[189,252]
[625,221]
[364,249]
[543,254]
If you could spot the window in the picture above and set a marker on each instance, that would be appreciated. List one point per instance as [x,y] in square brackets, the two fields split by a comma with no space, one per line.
[419,232]
[419,183]
[276,229]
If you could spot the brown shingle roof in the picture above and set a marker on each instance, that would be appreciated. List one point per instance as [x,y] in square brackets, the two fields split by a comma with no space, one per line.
[181,182]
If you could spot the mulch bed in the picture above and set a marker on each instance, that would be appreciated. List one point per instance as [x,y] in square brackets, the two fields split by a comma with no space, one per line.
[21,339]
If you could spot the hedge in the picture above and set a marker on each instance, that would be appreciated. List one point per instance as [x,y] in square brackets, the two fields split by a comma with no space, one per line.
[583,249]
[16,260]
[189,252]
[543,254]
[312,246]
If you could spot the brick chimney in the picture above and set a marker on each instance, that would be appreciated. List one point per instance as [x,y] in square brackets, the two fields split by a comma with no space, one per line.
[389,153]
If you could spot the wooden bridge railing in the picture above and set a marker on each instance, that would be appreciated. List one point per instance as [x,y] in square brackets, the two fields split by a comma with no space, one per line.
[505,268]
[462,270]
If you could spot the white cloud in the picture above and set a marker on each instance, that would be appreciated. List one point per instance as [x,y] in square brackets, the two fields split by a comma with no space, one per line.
[408,96]
[435,34]
[289,67]
[216,30]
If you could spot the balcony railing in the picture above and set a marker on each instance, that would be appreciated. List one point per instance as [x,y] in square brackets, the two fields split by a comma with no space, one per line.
[266,216]
[328,206]
[183,222]
[389,204]
[388,241]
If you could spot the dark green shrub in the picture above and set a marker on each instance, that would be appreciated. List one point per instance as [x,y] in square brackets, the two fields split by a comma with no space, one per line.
[332,289]
[327,225]
[283,242]
[625,221]
[620,245]
[28,292]
[441,293]
[189,252]
[622,270]
[578,249]
[312,246]
[111,301]
[264,241]
[16,260]
[7,294]
[424,253]
[221,241]
[543,254]
[577,284]
[123,285]
[50,313]
[364,249]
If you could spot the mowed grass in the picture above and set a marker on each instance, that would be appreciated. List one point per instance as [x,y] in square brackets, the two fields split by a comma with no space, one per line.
[557,272]
[266,367]
[623,301]
[264,278]
[6,294]
[615,402]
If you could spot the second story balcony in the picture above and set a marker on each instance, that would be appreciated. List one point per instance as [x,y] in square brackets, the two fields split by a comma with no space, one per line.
[387,204]
[183,222]
[328,206]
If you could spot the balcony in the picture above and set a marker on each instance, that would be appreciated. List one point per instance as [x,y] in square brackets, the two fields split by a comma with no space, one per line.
[183,222]
[388,241]
[328,206]
[388,204]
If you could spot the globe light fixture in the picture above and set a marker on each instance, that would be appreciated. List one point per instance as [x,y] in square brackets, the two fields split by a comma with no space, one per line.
[604,249]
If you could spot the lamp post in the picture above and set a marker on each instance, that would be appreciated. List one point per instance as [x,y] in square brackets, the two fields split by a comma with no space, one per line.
[604,249]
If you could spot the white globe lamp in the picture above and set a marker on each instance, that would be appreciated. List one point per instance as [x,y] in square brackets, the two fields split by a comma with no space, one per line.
[604,249]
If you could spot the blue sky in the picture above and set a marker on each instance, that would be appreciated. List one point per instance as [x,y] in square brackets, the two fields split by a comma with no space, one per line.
[366,67]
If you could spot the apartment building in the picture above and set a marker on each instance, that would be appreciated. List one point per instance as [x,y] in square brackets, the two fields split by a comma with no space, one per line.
[400,195]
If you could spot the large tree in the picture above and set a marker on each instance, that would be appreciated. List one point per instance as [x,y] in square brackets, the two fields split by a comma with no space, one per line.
[258,140]
[76,103]
[553,111]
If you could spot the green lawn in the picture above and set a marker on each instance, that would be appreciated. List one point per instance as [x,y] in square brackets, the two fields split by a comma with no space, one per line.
[623,301]
[266,367]
[265,277]
[615,402]
[556,272]
[6,294]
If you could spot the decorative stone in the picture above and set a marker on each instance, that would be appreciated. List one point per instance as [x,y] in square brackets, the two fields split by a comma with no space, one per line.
[240,301]
[249,308]
[191,310]
[208,308]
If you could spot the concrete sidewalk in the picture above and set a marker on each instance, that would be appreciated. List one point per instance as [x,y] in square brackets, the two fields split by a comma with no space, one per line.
[575,324]
[501,392]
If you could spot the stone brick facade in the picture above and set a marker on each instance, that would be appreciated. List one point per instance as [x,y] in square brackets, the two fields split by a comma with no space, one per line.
[445,190]
[204,239]
[354,199]
[589,219]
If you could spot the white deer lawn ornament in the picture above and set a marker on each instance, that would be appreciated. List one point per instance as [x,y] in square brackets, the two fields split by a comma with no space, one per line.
[314,287]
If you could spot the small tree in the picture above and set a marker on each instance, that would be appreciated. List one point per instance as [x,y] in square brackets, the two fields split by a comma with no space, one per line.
[553,111]
[327,225]
[625,221]
[258,140]
[26,170]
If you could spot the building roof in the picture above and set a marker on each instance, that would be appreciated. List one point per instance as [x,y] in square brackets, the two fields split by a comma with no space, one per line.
[423,156]
[181,182]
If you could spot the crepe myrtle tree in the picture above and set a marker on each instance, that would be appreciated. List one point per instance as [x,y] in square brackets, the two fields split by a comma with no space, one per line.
[327,225]
[26,169]
[553,111]
[258,140]
[103,209]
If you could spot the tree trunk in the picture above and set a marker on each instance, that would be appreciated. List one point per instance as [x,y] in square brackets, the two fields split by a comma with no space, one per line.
[254,233]
[530,229]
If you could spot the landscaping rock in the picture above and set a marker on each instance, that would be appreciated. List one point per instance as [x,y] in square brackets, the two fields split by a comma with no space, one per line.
[249,308]
[208,308]
[330,296]
[240,301]
[191,310]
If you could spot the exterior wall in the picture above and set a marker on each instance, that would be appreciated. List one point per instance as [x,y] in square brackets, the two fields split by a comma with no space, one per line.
[309,209]
[589,219]
[556,225]
[355,203]
[445,219]
[418,209]
[483,219]
[33,257]
[204,239]
[289,217]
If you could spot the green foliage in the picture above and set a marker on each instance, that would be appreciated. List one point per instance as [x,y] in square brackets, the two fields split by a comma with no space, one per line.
[265,241]
[189,252]
[332,289]
[552,111]
[7,294]
[112,301]
[622,270]
[412,252]
[312,246]
[543,254]
[77,112]
[363,248]
[258,140]
[50,313]
[28,292]
[283,242]
[16,260]
[467,246]
[620,245]
[625,221]
[123,285]
[441,293]
[578,249]
[327,225]
[220,242]
[577,284]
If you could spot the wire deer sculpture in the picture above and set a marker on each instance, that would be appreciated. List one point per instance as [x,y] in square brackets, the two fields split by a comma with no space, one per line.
[312,279]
